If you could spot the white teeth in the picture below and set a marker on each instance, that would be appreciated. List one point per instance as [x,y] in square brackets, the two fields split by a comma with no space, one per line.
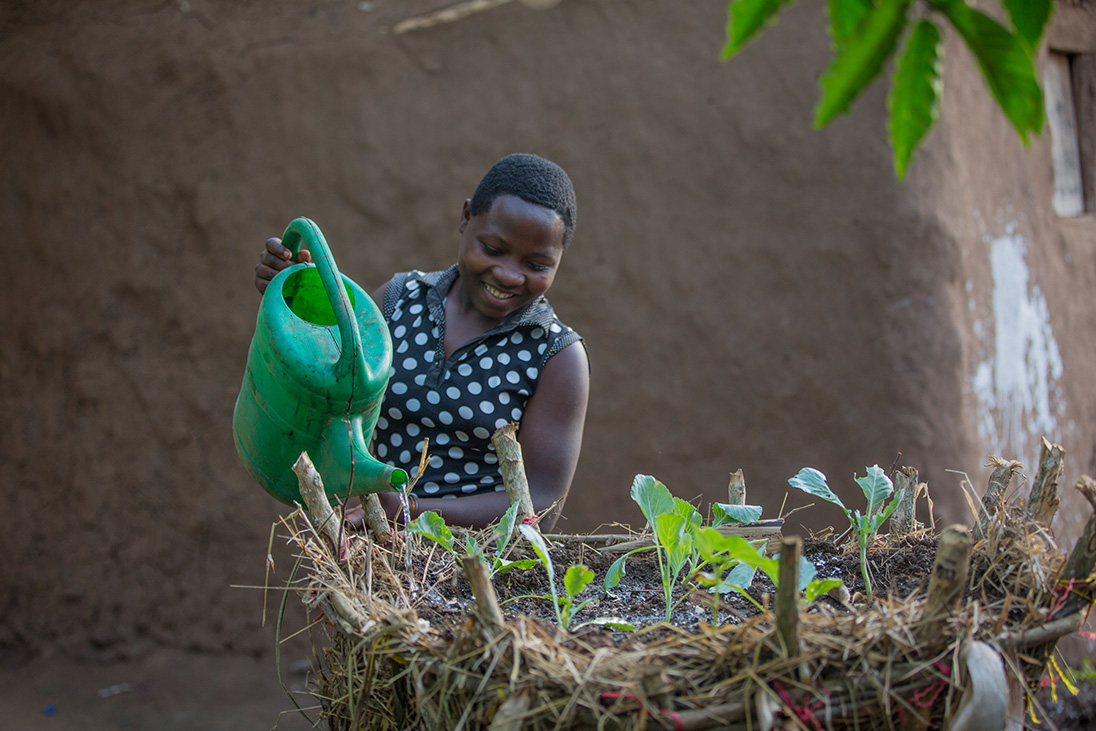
[496,293]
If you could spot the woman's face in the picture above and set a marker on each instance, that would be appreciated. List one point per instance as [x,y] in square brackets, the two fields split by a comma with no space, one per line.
[509,255]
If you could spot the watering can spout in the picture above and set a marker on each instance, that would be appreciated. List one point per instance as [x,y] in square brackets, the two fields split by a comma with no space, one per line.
[347,466]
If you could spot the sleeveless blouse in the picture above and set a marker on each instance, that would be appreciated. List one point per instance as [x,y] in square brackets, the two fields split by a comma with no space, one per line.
[458,402]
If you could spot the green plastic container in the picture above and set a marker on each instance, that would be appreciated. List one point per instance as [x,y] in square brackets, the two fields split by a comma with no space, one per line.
[316,374]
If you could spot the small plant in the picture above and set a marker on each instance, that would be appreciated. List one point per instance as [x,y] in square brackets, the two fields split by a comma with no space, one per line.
[734,561]
[877,487]
[432,526]
[674,524]
[575,580]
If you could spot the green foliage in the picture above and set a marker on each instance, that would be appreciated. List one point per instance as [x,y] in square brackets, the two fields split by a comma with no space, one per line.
[914,100]
[745,18]
[724,513]
[876,486]
[845,16]
[683,546]
[860,58]
[734,561]
[575,580]
[674,524]
[540,547]
[866,34]
[1029,18]
[1006,65]
[432,526]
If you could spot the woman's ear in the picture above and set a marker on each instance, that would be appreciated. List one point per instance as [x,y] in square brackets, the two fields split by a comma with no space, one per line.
[465,214]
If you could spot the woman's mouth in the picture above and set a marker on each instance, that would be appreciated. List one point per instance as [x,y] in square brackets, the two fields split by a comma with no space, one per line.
[497,293]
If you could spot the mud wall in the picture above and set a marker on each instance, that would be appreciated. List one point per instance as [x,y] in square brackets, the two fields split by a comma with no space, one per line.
[755,294]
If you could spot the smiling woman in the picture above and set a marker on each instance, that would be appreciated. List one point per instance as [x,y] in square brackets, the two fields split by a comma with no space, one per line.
[477,346]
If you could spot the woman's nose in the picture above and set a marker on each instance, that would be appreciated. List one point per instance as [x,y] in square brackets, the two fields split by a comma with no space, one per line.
[509,274]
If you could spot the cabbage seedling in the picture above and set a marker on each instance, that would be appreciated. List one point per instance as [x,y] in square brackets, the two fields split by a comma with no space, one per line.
[877,487]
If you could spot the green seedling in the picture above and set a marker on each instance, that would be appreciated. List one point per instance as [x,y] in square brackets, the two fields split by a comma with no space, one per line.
[575,580]
[432,526]
[876,486]
[674,523]
[734,561]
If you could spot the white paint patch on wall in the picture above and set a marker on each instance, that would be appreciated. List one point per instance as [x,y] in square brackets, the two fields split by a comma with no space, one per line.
[1016,384]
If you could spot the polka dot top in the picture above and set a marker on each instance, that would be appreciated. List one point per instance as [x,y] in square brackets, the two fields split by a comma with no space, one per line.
[457,403]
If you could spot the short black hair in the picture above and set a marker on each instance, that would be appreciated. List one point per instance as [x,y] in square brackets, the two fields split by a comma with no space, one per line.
[534,180]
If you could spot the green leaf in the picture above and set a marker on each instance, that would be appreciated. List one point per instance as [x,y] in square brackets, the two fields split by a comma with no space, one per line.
[845,16]
[740,577]
[504,566]
[726,513]
[431,525]
[914,100]
[813,482]
[616,570]
[735,547]
[671,530]
[1029,18]
[807,572]
[654,498]
[540,547]
[819,587]
[860,59]
[576,578]
[877,487]
[506,528]
[612,622]
[745,18]
[1006,66]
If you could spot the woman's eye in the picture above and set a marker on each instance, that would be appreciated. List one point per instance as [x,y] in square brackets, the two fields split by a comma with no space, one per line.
[538,267]
[489,249]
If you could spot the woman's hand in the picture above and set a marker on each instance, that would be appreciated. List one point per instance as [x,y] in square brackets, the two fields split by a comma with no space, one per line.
[275,258]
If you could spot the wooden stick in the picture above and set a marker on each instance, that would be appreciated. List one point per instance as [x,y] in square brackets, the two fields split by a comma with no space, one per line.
[993,500]
[949,576]
[512,468]
[787,595]
[376,518]
[486,608]
[1052,631]
[1043,503]
[736,489]
[323,517]
[903,519]
[1082,560]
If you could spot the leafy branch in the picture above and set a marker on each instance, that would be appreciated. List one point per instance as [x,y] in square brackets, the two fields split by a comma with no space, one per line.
[866,34]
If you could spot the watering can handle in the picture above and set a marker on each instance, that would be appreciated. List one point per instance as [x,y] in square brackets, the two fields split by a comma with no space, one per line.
[352,359]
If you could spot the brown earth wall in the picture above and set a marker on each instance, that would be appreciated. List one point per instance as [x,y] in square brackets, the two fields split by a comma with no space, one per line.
[755,294]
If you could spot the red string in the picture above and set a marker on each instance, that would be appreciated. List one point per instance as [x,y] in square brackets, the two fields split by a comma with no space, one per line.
[803,713]
[531,520]
[926,697]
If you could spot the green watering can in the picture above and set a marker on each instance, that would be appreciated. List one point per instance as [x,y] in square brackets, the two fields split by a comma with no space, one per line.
[313,383]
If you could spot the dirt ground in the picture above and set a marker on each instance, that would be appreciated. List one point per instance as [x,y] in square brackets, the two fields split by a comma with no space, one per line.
[169,690]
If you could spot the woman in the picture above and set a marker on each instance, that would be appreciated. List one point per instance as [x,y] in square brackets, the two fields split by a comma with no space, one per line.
[477,346]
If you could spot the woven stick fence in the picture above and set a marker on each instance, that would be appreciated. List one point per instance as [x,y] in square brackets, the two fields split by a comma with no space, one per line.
[967,654]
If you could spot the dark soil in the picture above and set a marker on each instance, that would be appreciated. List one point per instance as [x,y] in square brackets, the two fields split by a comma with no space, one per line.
[638,598]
